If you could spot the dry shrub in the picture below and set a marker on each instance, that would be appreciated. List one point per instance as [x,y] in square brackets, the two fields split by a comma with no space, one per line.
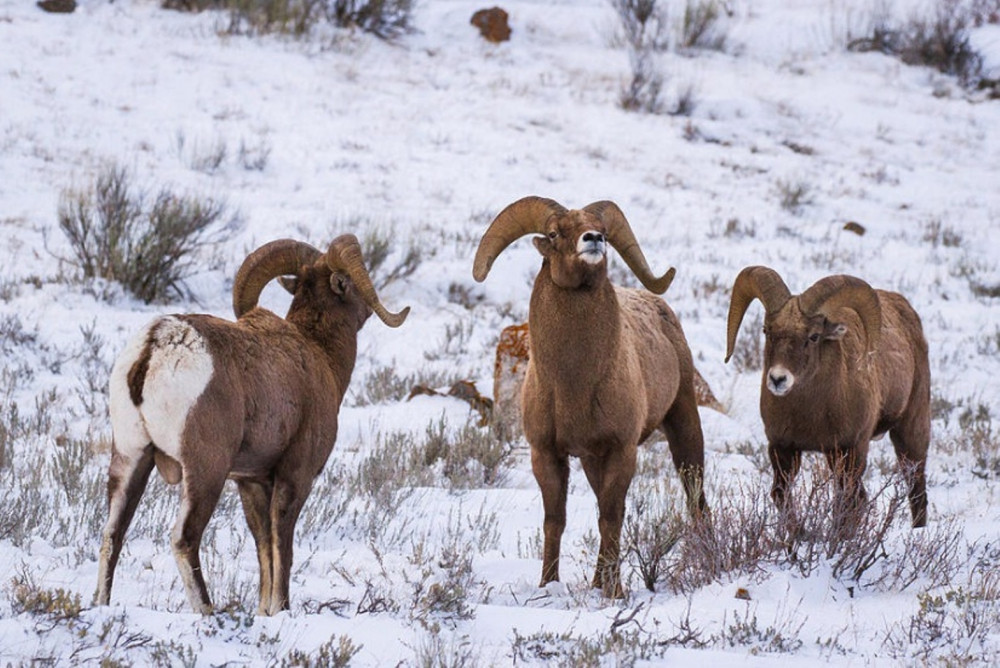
[147,244]
[938,39]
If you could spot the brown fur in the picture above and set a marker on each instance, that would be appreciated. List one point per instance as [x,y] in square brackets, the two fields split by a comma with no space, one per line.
[843,396]
[607,366]
[267,419]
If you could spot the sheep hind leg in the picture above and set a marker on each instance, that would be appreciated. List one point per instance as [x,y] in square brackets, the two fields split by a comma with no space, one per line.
[198,500]
[286,504]
[256,498]
[127,481]
[682,426]
[610,478]
[911,453]
[552,475]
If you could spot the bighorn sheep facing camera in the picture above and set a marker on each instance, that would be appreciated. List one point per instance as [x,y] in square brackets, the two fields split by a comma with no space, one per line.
[608,365]
[256,401]
[843,364]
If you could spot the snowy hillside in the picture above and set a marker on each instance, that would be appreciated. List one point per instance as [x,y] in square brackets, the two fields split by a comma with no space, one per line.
[787,137]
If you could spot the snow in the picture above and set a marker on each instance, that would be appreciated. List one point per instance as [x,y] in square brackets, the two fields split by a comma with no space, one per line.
[428,138]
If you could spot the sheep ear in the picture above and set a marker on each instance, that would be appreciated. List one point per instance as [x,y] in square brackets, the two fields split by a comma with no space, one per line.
[834,331]
[338,283]
[544,245]
[289,283]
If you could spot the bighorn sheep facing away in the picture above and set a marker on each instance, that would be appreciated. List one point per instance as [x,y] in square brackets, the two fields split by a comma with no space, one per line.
[607,366]
[256,400]
[843,364]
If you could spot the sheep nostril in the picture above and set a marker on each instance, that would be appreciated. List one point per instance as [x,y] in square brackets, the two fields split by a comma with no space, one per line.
[593,236]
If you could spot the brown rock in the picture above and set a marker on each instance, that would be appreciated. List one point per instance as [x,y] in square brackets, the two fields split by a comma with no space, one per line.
[508,375]
[58,6]
[492,24]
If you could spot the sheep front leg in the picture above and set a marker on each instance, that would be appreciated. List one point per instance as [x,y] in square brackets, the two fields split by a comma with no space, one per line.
[848,466]
[126,482]
[256,498]
[552,474]
[610,477]
[785,463]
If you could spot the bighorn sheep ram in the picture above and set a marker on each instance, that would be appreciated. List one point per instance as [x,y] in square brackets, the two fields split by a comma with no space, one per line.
[608,365]
[843,364]
[256,401]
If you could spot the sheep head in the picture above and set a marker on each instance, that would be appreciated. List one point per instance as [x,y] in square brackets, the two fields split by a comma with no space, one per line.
[335,277]
[798,328]
[573,242]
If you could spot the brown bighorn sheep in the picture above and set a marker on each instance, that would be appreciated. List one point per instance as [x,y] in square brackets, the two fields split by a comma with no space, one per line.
[843,364]
[256,401]
[607,366]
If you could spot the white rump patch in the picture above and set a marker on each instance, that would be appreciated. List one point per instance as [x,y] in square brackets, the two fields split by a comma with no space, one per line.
[130,435]
[180,368]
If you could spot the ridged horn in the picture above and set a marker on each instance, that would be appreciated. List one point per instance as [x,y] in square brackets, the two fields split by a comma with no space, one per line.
[344,255]
[755,282]
[273,259]
[525,216]
[829,294]
[620,236]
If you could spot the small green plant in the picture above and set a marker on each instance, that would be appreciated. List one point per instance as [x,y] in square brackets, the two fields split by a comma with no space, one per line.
[147,244]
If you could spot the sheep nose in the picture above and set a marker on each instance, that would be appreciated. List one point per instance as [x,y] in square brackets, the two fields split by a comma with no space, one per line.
[596,237]
[779,380]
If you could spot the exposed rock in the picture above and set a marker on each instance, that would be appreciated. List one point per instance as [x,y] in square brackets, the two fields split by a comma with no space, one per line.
[492,24]
[509,367]
[58,6]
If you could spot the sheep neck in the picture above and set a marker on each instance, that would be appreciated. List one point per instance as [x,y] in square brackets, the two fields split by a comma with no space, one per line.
[336,337]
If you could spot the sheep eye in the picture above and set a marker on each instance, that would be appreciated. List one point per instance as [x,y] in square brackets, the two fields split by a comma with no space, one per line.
[553,235]
[814,337]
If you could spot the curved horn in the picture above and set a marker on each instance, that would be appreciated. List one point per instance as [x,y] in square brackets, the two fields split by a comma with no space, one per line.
[273,259]
[756,282]
[841,291]
[345,255]
[621,237]
[525,216]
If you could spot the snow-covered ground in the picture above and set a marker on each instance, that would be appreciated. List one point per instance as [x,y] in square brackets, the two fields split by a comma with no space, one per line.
[423,141]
